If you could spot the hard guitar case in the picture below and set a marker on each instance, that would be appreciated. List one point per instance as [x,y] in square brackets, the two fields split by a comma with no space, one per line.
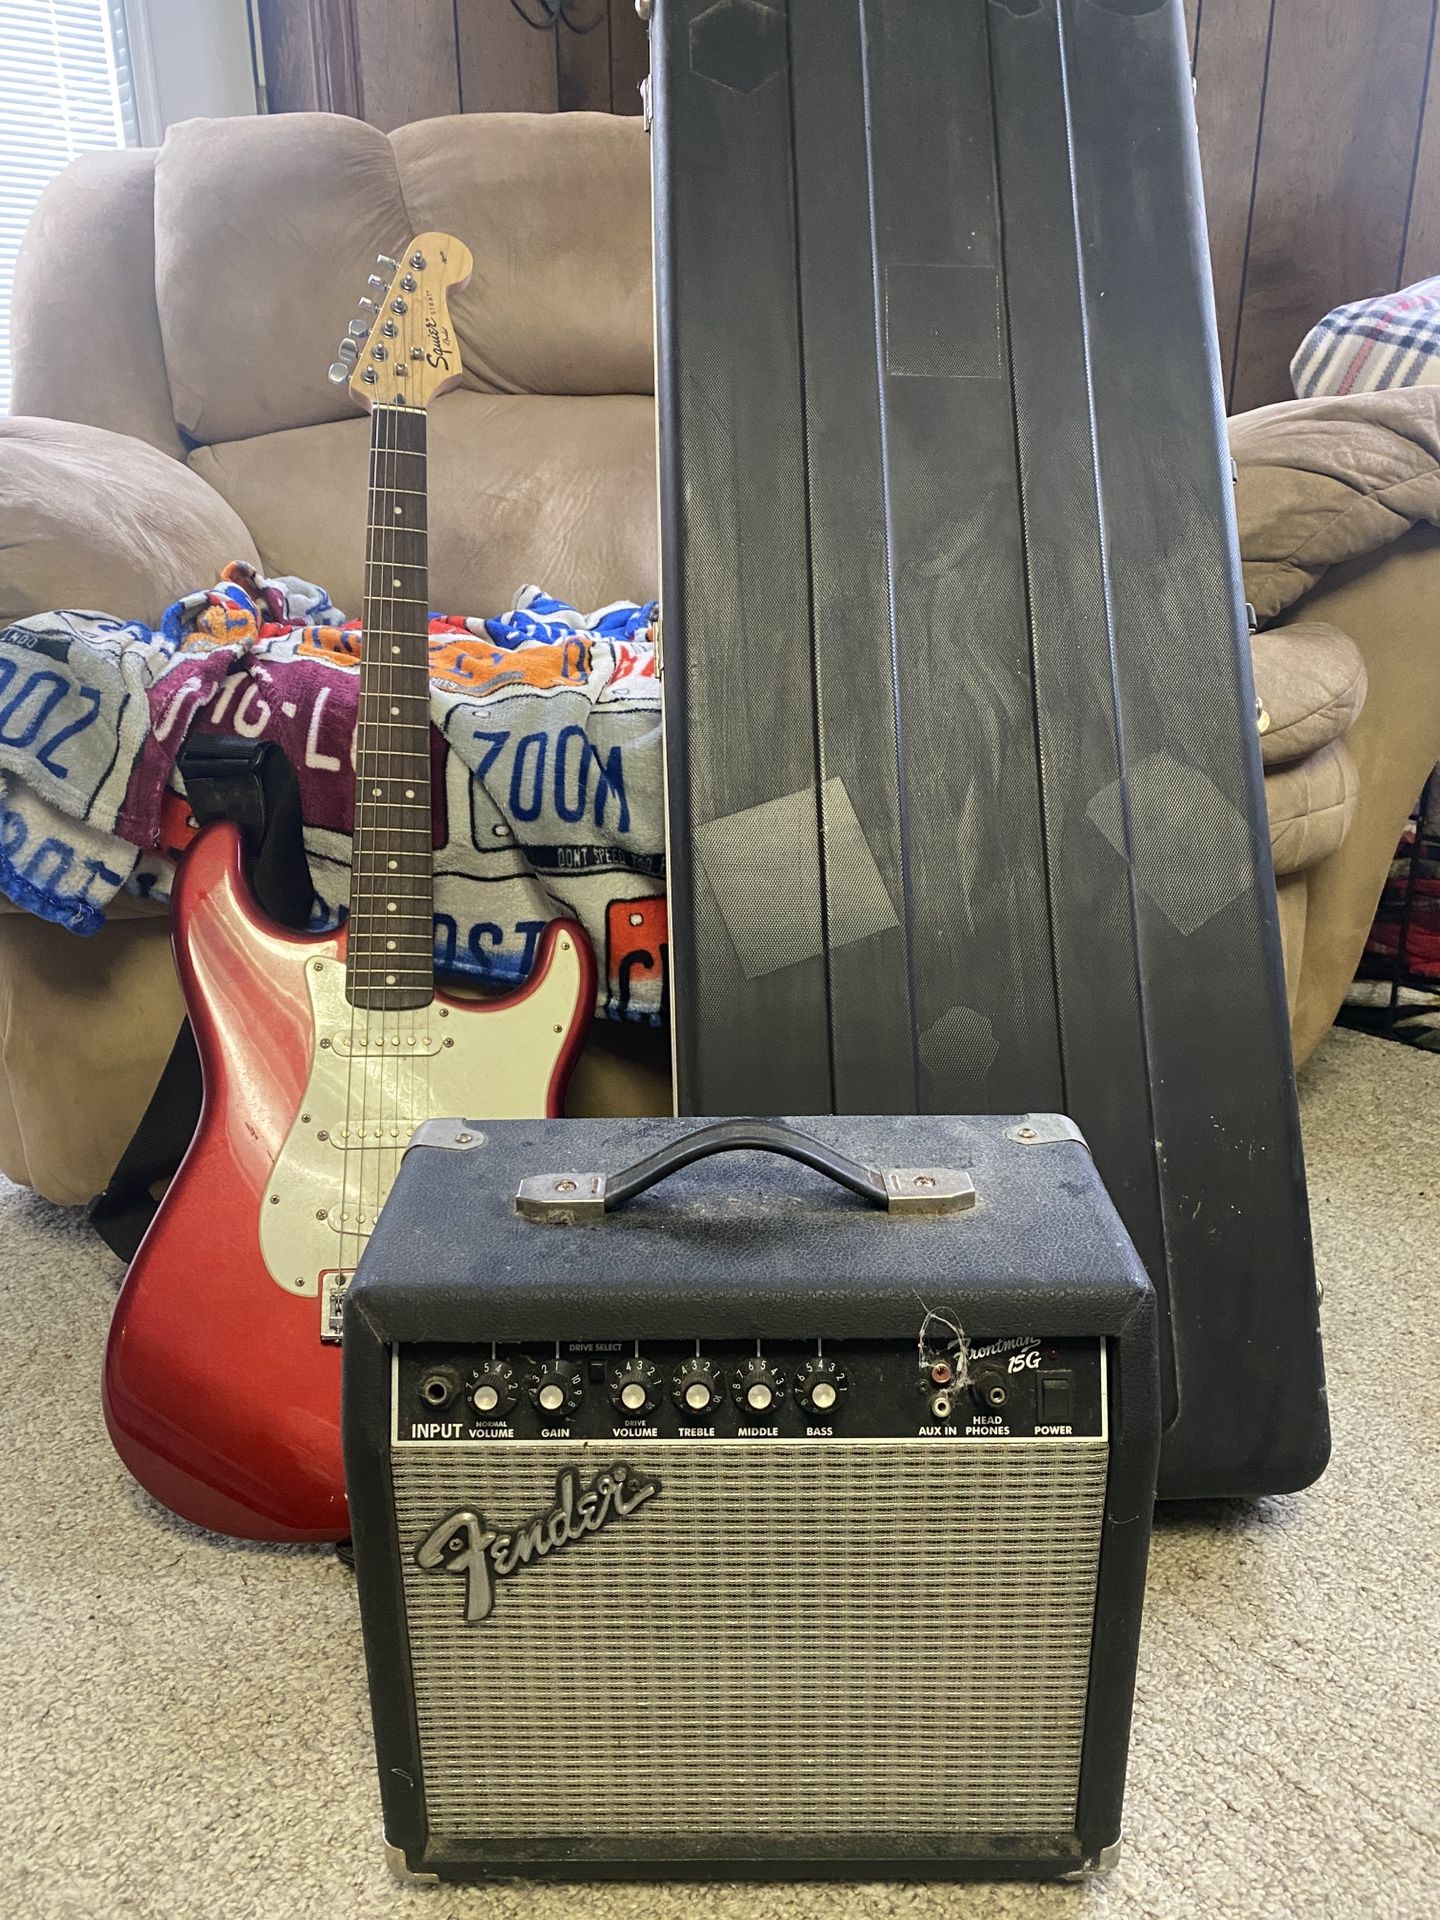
[964,782]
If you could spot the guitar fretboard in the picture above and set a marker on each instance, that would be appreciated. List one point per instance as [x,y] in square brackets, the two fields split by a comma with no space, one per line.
[390,958]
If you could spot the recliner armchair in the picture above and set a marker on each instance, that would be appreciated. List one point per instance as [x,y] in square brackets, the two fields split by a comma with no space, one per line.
[175,313]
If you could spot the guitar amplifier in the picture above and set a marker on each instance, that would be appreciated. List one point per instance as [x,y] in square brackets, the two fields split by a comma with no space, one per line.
[779,1514]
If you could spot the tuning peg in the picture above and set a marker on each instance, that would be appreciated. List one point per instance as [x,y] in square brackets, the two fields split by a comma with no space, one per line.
[339,373]
[384,260]
[366,304]
[357,329]
[349,350]
[378,284]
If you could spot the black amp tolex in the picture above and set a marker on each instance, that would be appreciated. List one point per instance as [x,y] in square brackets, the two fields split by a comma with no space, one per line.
[780,1520]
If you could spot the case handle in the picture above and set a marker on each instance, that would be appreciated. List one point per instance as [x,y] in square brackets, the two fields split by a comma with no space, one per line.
[574,1196]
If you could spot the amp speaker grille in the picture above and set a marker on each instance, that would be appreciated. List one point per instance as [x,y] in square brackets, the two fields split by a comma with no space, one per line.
[829,1639]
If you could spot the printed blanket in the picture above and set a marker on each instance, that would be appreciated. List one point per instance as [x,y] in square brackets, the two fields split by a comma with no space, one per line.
[1369,345]
[547,773]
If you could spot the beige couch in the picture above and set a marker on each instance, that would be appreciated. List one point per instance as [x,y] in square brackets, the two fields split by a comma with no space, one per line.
[174,317]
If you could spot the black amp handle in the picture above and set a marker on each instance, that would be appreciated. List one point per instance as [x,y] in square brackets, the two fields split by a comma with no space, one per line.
[570,1197]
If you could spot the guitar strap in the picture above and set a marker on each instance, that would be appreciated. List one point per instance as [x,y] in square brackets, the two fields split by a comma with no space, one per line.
[252,783]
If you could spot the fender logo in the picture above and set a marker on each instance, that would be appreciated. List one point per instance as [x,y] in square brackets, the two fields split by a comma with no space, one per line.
[463,1543]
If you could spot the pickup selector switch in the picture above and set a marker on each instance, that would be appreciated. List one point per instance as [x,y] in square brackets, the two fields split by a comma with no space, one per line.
[495,1391]
[759,1388]
[635,1387]
[698,1388]
[820,1386]
[556,1390]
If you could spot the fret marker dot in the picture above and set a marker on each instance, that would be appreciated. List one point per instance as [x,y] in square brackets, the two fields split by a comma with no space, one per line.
[397,513]
[389,946]
[389,906]
[396,585]
[389,979]
[395,863]
[394,649]
[376,792]
[394,713]
[409,793]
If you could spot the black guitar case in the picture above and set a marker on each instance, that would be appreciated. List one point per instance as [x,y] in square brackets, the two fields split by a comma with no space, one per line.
[964,782]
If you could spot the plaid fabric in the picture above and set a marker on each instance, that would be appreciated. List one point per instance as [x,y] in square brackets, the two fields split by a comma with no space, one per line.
[1390,342]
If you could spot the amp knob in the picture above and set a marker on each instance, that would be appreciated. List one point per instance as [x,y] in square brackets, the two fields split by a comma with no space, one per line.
[759,1388]
[820,1386]
[635,1387]
[494,1392]
[556,1390]
[698,1388]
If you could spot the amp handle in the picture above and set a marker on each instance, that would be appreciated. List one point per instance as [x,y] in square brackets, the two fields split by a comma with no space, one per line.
[572,1196]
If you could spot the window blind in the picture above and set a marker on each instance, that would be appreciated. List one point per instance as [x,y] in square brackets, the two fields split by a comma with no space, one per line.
[59,96]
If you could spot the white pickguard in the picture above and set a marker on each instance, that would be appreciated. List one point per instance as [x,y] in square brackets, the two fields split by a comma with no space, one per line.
[374,1078]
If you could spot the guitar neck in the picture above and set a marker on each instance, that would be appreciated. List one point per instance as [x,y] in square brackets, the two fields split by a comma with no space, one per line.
[390,961]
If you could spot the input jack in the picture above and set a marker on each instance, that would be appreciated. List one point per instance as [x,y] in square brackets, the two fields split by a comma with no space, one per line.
[439,1387]
[942,1405]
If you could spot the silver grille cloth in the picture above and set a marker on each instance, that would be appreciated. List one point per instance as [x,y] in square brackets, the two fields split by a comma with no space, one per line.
[872,1637]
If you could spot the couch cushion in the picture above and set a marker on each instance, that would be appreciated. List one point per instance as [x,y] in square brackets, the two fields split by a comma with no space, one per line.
[1310,680]
[267,231]
[561,492]
[85,332]
[556,210]
[1310,806]
[96,519]
[1328,481]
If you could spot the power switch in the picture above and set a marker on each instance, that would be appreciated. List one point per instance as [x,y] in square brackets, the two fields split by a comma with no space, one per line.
[1057,1400]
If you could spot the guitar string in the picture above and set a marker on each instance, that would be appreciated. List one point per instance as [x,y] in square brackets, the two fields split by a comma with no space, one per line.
[381,742]
[428,1023]
[376,828]
[352,922]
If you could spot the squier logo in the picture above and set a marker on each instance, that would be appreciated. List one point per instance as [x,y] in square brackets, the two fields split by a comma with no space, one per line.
[464,1544]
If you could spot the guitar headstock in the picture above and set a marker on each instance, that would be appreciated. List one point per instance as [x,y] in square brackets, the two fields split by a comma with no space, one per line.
[402,349]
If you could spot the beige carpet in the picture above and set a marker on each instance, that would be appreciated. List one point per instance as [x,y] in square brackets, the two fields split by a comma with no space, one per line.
[185,1728]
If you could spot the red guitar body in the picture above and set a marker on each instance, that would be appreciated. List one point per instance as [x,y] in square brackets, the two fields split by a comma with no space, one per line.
[220,1395]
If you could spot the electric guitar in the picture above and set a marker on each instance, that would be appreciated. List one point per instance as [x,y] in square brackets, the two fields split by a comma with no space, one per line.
[322,1055]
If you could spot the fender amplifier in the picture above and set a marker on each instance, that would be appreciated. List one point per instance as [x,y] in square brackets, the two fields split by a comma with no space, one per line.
[783,1514]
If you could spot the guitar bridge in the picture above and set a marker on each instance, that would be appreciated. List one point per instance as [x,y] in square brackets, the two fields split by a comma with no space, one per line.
[334,1285]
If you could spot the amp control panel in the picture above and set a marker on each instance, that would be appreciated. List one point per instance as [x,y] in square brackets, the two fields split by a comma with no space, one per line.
[1016,1387]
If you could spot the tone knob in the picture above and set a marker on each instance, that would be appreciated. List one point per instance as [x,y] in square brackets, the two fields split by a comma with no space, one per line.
[635,1387]
[556,1390]
[820,1386]
[494,1392]
[698,1388]
[759,1388]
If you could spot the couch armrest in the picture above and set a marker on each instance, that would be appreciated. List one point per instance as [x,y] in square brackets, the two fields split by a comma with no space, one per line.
[1386,603]
[86,329]
[98,520]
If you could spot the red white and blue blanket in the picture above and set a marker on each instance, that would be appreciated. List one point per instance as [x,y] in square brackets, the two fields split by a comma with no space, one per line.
[547,777]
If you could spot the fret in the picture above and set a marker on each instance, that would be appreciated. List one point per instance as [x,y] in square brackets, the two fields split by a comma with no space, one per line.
[390,953]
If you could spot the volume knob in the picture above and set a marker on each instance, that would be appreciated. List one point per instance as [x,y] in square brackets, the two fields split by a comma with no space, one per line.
[494,1392]
[635,1387]
[698,1388]
[759,1387]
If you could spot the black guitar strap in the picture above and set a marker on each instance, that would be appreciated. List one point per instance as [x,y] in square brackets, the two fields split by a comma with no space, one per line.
[252,783]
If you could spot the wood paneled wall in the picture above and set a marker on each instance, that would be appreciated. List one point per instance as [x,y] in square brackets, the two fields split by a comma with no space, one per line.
[389,61]
[1319,127]
[1320,142]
